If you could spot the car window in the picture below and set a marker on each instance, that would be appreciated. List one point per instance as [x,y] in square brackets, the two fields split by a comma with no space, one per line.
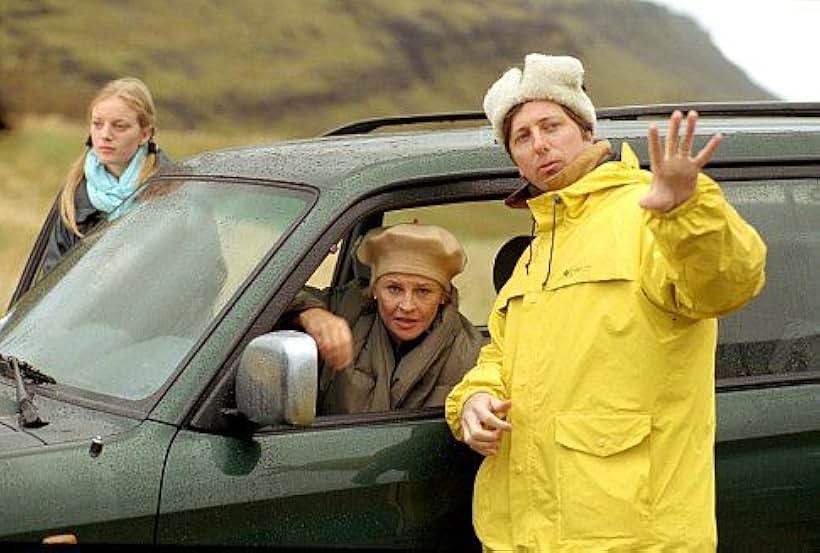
[125,306]
[482,228]
[777,333]
[322,277]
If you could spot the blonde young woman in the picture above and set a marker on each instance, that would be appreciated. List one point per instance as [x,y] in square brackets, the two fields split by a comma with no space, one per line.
[121,154]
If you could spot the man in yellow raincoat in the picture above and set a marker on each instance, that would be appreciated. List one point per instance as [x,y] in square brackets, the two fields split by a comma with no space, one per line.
[594,400]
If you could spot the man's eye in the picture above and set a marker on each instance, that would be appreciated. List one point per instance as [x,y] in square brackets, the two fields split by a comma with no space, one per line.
[393,289]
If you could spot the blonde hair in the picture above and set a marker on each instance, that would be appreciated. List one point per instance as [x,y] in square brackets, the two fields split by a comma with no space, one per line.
[136,95]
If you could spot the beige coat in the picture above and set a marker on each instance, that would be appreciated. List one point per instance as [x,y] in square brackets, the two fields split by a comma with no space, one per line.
[424,375]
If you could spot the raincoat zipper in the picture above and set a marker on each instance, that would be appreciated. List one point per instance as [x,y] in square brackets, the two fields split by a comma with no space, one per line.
[555,201]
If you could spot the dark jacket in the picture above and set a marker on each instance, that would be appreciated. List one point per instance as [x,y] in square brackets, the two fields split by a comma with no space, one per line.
[377,381]
[61,238]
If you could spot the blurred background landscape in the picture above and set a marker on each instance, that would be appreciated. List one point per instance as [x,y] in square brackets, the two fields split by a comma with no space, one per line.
[237,72]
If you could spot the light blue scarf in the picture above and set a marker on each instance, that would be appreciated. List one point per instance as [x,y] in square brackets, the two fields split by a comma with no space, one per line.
[106,191]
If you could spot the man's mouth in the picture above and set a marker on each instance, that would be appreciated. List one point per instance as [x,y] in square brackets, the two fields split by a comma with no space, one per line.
[550,167]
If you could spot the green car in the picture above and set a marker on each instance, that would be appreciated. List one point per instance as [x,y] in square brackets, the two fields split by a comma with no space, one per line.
[149,397]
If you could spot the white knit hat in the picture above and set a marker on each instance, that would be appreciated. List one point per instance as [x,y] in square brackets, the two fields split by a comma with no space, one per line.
[554,78]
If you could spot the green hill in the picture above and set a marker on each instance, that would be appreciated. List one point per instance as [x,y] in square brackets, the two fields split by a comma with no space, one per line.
[301,66]
[244,71]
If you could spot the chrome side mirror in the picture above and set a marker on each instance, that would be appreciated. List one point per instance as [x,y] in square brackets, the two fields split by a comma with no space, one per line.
[277,379]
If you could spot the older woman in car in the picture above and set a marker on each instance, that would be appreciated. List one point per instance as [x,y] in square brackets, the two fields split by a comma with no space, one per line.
[400,342]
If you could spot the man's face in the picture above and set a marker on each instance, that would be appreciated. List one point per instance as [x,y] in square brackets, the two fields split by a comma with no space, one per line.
[543,140]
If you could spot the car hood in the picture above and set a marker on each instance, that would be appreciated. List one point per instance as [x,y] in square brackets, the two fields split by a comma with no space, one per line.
[66,423]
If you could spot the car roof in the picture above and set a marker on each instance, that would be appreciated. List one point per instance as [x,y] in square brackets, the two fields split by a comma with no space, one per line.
[772,131]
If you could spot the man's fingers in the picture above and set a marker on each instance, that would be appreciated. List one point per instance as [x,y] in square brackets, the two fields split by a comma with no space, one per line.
[470,424]
[654,147]
[481,427]
[481,440]
[484,436]
[483,449]
[500,407]
[672,135]
[499,413]
[486,451]
[708,151]
[691,123]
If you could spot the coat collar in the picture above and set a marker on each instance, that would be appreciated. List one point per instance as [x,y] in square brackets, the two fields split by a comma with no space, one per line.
[588,160]
[574,196]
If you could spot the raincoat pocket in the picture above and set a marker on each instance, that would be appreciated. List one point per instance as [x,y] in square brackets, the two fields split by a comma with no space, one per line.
[603,469]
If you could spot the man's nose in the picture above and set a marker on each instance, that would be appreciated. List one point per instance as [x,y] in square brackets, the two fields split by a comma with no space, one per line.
[540,143]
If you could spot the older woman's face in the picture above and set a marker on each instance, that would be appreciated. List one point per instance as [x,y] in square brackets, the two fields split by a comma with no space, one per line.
[407,304]
[116,134]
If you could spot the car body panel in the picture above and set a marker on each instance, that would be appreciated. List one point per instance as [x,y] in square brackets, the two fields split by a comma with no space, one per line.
[67,422]
[111,498]
[365,486]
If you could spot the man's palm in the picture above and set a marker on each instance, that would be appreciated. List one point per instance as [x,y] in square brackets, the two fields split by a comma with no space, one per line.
[674,170]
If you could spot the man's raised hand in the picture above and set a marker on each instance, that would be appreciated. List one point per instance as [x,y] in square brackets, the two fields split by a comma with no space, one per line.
[674,170]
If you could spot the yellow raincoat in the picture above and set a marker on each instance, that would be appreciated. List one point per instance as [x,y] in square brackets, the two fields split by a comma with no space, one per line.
[604,339]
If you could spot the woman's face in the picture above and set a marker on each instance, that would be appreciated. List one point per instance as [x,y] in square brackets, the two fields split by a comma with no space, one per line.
[116,134]
[407,304]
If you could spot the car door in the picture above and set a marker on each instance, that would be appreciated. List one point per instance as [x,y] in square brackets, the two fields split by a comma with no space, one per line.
[768,374]
[340,483]
[395,479]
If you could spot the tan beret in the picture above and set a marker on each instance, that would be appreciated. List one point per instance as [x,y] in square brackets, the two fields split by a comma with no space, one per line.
[412,248]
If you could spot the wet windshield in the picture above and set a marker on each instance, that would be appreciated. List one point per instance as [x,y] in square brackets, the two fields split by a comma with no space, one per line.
[120,312]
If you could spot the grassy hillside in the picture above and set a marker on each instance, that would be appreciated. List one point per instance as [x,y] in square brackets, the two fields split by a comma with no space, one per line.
[243,71]
[301,66]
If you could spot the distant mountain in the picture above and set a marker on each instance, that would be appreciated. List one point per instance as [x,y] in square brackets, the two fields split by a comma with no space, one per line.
[302,66]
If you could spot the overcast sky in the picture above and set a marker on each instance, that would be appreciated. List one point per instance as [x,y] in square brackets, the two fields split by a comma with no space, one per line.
[774,41]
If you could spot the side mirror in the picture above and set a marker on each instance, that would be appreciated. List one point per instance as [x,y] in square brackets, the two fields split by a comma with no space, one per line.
[277,379]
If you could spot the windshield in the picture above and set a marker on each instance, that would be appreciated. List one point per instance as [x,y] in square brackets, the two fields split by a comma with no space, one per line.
[123,308]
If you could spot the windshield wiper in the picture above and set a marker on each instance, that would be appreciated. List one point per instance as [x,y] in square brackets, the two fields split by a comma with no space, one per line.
[29,417]
[26,369]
